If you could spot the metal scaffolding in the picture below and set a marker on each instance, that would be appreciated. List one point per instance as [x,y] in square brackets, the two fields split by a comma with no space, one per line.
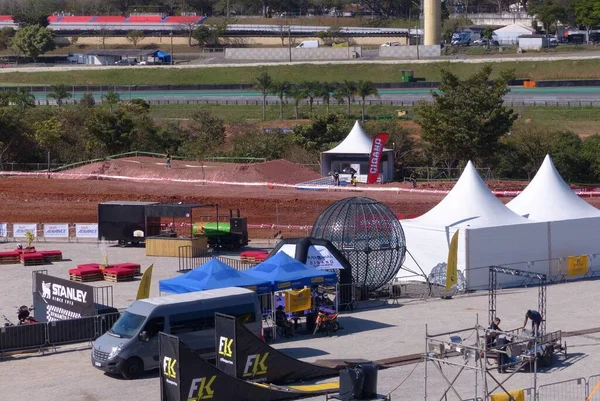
[493,289]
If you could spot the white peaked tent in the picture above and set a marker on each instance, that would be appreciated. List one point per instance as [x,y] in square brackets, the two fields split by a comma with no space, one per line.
[574,224]
[510,34]
[354,152]
[549,198]
[490,234]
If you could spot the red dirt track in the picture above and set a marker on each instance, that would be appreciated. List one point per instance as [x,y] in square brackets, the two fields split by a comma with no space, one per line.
[55,200]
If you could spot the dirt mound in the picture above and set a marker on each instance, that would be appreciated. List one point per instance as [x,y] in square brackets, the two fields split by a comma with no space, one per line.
[276,171]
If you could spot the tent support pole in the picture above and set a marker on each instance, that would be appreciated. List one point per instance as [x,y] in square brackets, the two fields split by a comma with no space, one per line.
[274,327]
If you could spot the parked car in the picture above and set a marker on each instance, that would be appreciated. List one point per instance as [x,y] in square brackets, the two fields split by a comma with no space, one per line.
[126,61]
[486,42]
[386,44]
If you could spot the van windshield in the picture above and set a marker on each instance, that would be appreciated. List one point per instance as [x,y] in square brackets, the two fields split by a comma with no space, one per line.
[128,325]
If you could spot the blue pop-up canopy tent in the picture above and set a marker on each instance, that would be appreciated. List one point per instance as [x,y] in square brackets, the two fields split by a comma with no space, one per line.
[213,274]
[285,272]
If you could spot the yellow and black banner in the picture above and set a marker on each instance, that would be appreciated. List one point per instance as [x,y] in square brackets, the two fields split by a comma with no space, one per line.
[144,288]
[577,265]
[225,342]
[298,300]
[452,266]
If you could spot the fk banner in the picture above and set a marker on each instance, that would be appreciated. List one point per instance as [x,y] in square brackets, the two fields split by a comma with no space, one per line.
[375,157]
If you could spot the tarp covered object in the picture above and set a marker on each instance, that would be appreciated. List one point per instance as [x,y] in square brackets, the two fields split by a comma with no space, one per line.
[255,360]
[213,274]
[185,376]
[284,272]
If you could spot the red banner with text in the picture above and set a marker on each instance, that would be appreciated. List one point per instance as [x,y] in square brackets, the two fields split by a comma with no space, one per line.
[375,157]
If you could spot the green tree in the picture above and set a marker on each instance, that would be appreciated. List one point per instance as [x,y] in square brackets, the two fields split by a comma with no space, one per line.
[547,12]
[136,106]
[566,152]
[346,90]
[325,92]
[467,117]
[364,89]
[204,134]
[33,40]
[587,13]
[280,89]
[250,142]
[110,132]
[87,100]
[6,36]
[59,93]
[297,94]
[135,37]
[5,98]
[400,141]
[590,151]
[321,133]
[204,36]
[111,99]
[263,83]
[487,33]
[48,133]
[311,90]
[530,141]
[22,98]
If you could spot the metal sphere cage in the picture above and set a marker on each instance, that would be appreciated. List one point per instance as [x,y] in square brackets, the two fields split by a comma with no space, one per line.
[369,235]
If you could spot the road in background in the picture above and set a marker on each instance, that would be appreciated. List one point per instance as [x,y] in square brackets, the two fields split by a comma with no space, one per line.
[585,95]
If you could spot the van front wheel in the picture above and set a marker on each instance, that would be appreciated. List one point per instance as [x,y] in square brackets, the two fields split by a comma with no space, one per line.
[132,368]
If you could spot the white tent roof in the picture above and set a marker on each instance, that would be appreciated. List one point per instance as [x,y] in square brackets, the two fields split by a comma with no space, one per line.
[469,203]
[514,28]
[549,198]
[357,142]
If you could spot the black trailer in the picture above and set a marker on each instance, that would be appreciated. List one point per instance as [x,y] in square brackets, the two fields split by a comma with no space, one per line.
[123,221]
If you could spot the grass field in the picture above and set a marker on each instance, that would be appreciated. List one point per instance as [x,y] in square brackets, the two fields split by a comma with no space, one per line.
[582,120]
[539,70]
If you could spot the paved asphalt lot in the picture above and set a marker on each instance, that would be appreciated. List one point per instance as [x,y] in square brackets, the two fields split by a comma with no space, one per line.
[377,333]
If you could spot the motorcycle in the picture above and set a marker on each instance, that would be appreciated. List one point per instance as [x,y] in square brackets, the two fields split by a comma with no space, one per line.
[326,322]
[23,316]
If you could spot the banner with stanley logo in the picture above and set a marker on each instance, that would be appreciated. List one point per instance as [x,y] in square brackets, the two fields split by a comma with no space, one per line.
[57,299]
[376,156]
[144,288]
[258,362]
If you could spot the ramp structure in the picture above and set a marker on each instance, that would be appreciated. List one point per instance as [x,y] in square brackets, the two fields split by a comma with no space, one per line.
[185,376]
[243,355]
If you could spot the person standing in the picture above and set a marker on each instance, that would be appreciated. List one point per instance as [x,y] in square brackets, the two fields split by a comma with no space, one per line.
[413,179]
[168,161]
[336,178]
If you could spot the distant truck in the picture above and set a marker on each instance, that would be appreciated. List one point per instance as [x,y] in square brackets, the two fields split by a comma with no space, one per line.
[461,39]
[308,44]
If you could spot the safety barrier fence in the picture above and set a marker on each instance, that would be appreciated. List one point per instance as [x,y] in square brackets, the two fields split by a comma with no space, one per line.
[191,257]
[51,334]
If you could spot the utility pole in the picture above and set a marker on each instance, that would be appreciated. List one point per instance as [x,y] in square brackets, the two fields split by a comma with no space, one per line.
[172,55]
[228,9]
[290,42]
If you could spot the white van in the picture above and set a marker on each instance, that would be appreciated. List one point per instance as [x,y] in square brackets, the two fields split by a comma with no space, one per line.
[387,44]
[308,44]
[131,345]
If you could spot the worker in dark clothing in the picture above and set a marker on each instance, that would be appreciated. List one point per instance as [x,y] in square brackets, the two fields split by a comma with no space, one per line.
[336,178]
[536,321]
[413,179]
[491,337]
[168,161]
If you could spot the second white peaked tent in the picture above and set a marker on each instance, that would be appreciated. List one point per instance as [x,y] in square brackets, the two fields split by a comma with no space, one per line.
[573,224]
[490,234]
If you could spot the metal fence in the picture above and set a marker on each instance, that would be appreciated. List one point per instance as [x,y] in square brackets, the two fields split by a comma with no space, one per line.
[51,334]
[574,389]
[190,257]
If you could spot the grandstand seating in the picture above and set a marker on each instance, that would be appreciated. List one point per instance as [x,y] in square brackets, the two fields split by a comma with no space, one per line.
[8,18]
[108,19]
[182,20]
[53,18]
[75,18]
[144,18]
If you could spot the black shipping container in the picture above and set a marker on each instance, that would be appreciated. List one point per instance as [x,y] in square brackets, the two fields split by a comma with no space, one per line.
[117,221]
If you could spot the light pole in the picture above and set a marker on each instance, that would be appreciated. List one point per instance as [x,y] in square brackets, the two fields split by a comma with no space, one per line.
[172,55]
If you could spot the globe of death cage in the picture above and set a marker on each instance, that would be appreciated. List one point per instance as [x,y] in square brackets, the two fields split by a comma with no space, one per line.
[368,234]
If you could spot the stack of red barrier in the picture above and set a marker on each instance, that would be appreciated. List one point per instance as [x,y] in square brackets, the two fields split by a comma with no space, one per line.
[9,258]
[96,272]
[254,256]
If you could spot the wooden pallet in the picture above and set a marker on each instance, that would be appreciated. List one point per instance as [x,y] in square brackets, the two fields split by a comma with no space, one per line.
[86,278]
[54,258]
[10,260]
[119,278]
[32,262]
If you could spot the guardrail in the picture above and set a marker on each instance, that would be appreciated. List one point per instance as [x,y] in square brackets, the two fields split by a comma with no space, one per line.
[51,334]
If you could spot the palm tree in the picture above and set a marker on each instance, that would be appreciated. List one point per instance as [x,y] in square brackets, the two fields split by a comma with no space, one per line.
[364,89]
[59,93]
[326,91]
[263,83]
[23,99]
[312,90]
[347,90]
[5,98]
[112,98]
[280,89]
[297,93]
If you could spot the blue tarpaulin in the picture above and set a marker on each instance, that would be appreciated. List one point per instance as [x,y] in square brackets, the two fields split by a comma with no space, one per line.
[164,57]
[285,272]
[213,274]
